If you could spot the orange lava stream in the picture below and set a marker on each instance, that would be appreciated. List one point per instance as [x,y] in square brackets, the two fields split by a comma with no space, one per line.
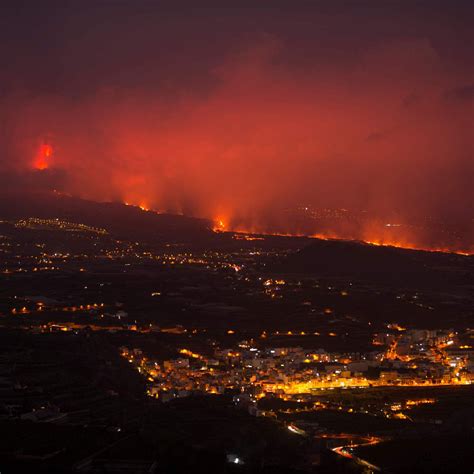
[220,227]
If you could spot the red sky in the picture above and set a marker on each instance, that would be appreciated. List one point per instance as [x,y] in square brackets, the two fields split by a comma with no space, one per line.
[239,113]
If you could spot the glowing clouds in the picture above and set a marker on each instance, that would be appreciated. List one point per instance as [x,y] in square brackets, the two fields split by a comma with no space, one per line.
[263,131]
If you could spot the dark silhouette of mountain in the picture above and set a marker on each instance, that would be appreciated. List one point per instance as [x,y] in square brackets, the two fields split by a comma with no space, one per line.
[122,221]
[337,258]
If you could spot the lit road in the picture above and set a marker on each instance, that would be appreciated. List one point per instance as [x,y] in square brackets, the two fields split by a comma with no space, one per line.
[344,451]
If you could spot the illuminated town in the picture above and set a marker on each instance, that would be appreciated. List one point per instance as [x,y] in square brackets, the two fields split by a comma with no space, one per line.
[292,373]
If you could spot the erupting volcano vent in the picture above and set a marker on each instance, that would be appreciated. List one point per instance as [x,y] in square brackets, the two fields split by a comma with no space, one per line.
[43,157]
[351,122]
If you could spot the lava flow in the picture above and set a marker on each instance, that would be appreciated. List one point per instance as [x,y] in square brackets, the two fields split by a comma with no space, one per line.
[219,226]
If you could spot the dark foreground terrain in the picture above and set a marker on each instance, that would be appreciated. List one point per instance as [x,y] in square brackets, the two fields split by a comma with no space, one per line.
[177,349]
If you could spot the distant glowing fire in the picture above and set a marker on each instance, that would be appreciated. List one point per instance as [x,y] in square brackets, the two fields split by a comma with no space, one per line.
[361,145]
[219,225]
[370,238]
[43,157]
[369,234]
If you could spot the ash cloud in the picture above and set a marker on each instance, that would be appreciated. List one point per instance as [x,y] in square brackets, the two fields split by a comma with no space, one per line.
[272,117]
[461,93]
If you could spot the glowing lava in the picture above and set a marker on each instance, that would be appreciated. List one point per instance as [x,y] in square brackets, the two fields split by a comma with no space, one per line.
[410,246]
[219,225]
[143,206]
[43,157]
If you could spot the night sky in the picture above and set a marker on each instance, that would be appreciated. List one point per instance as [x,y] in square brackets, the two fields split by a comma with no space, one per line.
[238,112]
